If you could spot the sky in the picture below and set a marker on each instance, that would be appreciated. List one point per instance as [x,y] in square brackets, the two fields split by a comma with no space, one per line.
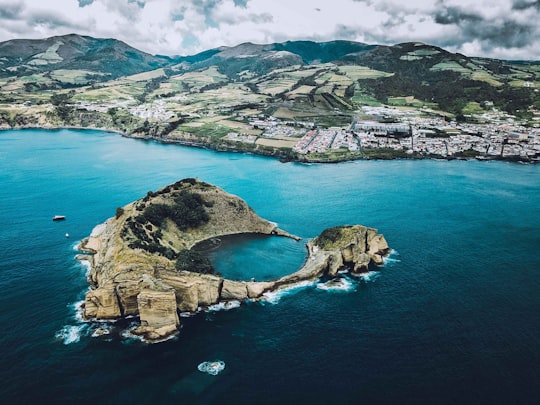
[504,29]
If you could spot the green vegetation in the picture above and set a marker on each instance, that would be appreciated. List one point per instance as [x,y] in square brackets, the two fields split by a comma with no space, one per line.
[119,212]
[187,211]
[191,260]
[330,238]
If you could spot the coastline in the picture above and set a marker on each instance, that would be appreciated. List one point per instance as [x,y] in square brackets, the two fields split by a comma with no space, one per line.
[359,250]
[272,153]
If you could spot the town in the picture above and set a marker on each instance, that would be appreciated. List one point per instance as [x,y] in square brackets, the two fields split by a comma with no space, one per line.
[411,132]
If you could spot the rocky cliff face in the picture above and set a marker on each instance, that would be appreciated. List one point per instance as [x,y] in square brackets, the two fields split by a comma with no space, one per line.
[132,256]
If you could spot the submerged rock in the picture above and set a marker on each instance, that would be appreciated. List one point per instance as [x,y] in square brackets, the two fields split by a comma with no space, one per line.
[132,267]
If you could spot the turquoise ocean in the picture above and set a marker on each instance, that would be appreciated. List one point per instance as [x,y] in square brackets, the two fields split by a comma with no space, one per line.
[453,317]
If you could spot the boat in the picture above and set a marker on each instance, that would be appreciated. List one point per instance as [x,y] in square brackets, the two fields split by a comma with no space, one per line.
[59,217]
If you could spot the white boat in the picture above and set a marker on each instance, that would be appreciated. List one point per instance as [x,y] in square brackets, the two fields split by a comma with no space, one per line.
[59,217]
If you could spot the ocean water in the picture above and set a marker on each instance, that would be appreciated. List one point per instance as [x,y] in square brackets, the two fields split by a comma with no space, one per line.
[453,317]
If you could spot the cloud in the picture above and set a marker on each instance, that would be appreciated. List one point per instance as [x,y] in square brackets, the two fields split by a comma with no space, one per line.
[498,28]
[11,11]
[455,15]
[492,28]
[525,4]
[51,21]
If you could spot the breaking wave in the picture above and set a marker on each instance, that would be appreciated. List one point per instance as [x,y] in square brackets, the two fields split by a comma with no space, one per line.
[224,306]
[370,276]
[273,297]
[102,330]
[70,333]
[212,367]
[341,284]
[392,257]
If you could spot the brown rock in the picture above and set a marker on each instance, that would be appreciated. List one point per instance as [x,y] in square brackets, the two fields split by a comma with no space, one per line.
[234,290]
[361,264]
[256,288]
[208,290]
[335,263]
[102,303]
[127,293]
[157,309]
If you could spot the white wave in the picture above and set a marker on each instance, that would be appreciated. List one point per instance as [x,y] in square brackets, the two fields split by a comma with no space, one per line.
[128,336]
[186,314]
[392,257]
[78,310]
[75,246]
[224,306]
[102,330]
[211,367]
[86,265]
[273,297]
[70,334]
[337,285]
[370,276]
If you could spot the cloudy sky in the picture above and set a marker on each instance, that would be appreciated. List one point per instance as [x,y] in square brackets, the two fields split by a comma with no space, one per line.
[508,29]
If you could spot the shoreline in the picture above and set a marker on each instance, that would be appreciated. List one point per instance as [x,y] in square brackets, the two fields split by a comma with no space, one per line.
[282,157]
[346,256]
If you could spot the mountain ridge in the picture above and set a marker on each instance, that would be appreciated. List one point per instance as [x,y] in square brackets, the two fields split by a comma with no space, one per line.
[335,77]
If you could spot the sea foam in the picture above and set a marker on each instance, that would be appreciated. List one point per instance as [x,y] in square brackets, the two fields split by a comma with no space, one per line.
[70,334]
[392,257]
[212,367]
[341,284]
[224,306]
[370,276]
[273,297]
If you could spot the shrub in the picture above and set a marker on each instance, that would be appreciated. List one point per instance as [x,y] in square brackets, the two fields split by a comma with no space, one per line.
[328,237]
[119,212]
[190,260]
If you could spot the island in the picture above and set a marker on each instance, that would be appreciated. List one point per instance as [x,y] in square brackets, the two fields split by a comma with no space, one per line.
[145,260]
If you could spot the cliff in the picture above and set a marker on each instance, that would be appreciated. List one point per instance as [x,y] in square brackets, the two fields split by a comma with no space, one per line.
[143,264]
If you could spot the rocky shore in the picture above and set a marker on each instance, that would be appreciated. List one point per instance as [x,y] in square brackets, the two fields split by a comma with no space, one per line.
[128,278]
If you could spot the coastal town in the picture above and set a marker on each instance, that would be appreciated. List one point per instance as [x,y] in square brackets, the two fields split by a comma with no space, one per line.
[412,132]
[399,132]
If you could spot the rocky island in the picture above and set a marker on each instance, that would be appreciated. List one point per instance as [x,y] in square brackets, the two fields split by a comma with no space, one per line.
[144,261]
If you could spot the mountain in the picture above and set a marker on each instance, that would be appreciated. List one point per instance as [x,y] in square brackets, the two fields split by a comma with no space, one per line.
[262,59]
[108,58]
[314,78]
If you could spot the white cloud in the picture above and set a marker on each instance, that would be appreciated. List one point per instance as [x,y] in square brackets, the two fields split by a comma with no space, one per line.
[493,28]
